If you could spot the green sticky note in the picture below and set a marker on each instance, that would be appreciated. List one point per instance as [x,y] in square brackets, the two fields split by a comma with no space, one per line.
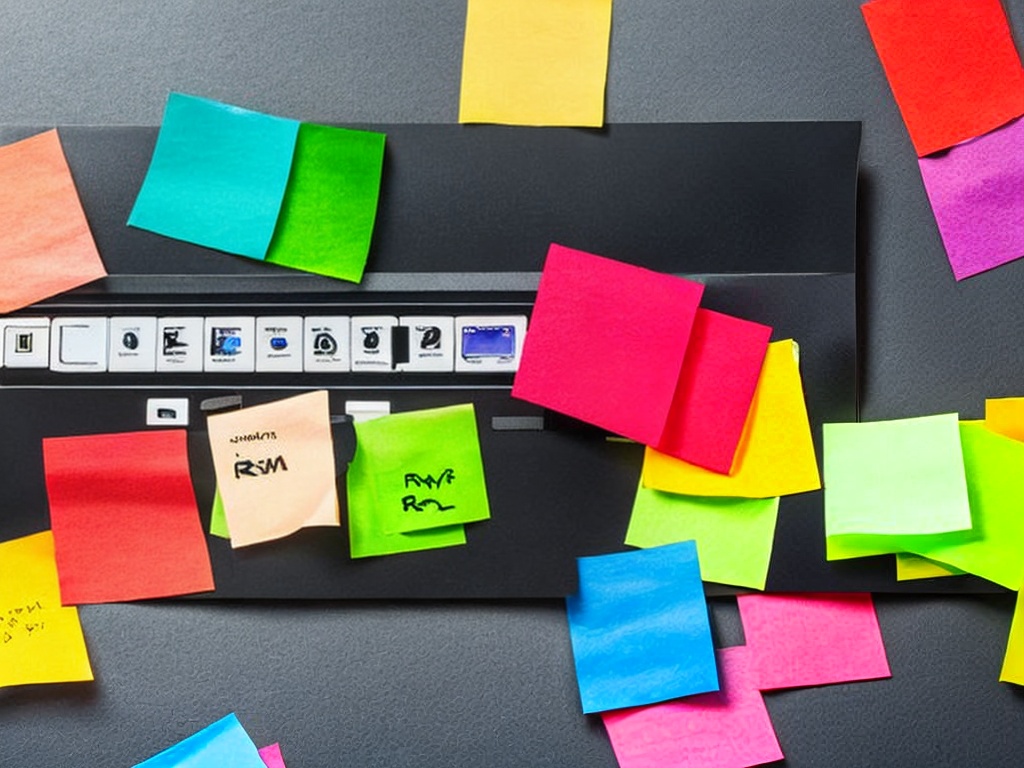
[217,176]
[330,205]
[896,480]
[218,518]
[734,536]
[912,567]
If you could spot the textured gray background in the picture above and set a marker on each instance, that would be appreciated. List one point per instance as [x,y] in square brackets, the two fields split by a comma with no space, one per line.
[487,684]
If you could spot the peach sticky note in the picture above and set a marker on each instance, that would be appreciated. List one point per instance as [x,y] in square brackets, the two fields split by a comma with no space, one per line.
[724,729]
[952,67]
[46,247]
[776,454]
[40,642]
[799,640]
[275,467]
[535,62]
[124,517]
[606,342]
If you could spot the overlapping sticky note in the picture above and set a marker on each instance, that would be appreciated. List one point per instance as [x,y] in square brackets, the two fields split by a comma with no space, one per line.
[224,744]
[912,567]
[256,185]
[776,454]
[639,628]
[535,62]
[887,482]
[416,479]
[1005,415]
[275,467]
[952,66]
[734,536]
[124,517]
[799,640]
[976,190]
[1013,661]
[46,247]
[40,641]
[725,729]
[271,755]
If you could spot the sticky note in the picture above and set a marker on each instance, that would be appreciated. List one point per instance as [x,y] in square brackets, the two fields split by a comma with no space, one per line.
[719,375]
[725,729]
[606,342]
[427,468]
[271,756]
[1013,661]
[217,176]
[952,67]
[976,191]
[40,641]
[799,640]
[639,628]
[734,536]
[124,517]
[46,246]
[275,467]
[893,479]
[1005,415]
[776,454]
[218,518]
[535,62]
[224,744]
[330,204]
[912,567]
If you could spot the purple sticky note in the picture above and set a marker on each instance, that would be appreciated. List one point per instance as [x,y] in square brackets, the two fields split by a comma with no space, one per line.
[977,193]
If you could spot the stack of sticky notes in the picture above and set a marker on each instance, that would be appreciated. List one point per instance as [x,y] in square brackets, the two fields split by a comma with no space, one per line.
[299,195]
[416,480]
[223,743]
[958,81]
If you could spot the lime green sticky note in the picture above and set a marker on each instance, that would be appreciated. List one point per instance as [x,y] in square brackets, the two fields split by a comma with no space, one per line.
[330,204]
[895,479]
[218,518]
[911,567]
[734,536]
[994,466]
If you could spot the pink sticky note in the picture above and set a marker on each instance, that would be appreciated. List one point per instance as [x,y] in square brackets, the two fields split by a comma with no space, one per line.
[725,729]
[719,376]
[977,194]
[606,342]
[799,640]
[271,755]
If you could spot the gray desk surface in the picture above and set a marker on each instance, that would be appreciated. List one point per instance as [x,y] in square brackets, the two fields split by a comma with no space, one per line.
[488,684]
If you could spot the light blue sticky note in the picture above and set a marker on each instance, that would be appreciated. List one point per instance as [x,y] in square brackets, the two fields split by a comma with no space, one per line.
[217,176]
[639,628]
[225,744]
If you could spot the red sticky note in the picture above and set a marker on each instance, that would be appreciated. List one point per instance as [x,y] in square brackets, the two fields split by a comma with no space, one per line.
[725,729]
[799,640]
[606,342]
[124,517]
[952,67]
[716,387]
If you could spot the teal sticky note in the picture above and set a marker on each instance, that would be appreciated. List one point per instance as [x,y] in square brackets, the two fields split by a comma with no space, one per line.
[225,744]
[217,177]
[330,205]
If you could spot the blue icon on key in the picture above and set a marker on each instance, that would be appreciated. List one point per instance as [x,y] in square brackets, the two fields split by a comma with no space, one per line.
[278,342]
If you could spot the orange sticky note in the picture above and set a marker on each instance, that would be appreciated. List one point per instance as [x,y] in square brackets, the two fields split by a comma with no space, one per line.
[1005,415]
[40,642]
[535,62]
[275,467]
[46,247]
[124,517]
[776,455]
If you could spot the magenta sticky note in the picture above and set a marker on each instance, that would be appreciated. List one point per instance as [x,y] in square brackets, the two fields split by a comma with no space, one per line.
[725,729]
[271,755]
[716,387]
[799,640]
[606,342]
[977,194]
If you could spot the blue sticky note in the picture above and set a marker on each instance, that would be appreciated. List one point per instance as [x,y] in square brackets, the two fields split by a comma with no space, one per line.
[639,628]
[217,177]
[225,744]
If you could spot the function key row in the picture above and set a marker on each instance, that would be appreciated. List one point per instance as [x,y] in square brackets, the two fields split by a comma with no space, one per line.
[240,344]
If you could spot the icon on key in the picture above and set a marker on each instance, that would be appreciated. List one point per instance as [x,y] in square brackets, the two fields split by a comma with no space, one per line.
[225,342]
[23,343]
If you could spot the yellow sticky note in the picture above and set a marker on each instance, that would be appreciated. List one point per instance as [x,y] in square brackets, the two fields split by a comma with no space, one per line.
[911,567]
[1005,415]
[535,62]
[1013,662]
[40,641]
[776,455]
[275,467]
